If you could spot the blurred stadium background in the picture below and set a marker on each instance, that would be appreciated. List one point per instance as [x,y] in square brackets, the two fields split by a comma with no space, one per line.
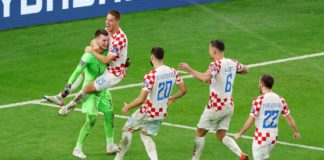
[38,60]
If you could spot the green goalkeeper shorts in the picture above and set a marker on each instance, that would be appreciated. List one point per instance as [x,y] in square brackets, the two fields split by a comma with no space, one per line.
[97,102]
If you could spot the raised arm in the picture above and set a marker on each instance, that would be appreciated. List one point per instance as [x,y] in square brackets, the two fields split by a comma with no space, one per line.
[291,122]
[204,77]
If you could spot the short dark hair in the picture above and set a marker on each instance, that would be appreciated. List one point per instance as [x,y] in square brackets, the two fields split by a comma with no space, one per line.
[115,13]
[158,52]
[219,44]
[101,32]
[267,80]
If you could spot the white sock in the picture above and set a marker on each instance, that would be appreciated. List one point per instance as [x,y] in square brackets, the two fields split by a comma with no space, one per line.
[124,144]
[77,83]
[231,144]
[199,146]
[110,141]
[149,147]
[78,146]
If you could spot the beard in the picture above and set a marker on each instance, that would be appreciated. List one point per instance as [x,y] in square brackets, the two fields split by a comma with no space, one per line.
[151,63]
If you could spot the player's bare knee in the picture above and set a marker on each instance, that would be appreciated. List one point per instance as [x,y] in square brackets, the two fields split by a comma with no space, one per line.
[201,132]
[220,134]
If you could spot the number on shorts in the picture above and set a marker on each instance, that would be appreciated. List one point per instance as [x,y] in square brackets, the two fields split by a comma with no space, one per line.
[166,87]
[272,116]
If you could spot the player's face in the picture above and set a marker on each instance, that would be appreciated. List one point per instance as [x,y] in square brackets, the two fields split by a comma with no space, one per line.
[212,51]
[103,41]
[111,22]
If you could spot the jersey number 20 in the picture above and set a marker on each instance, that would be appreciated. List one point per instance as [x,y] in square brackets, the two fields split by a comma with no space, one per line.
[164,90]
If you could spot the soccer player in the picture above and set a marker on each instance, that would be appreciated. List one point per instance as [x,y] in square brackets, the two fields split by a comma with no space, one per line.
[102,101]
[218,112]
[116,58]
[154,97]
[265,112]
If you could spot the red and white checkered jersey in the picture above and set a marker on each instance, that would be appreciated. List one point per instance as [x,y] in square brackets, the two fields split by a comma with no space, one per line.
[266,109]
[221,85]
[118,47]
[159,82]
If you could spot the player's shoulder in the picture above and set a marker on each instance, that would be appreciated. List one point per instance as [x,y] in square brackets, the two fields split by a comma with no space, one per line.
[258,100]
[216,63]
[121,34]
[87,57]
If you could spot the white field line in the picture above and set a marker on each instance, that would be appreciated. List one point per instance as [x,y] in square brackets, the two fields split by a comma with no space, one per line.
[194,128]
[186,76]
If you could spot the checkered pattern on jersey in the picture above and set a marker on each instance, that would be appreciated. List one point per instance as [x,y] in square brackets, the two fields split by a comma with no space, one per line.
[118,43]
[153,112]
[256,106]
[261,137]
[285,110]
[239,66]
[118,71]
[215,67]
[178,77]
[149,80]
[218,103]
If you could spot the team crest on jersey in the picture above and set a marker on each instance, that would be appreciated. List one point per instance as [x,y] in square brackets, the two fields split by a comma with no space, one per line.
[115,50]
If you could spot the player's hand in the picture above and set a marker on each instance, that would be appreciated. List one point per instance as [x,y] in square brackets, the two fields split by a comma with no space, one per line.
[128,62]
[237,136]
[297,135]
[67,89]
[170,100]
[87,49]
[125,109]
[185,67]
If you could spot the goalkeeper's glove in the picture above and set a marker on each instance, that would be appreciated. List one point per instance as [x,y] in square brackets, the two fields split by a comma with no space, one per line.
[67,89]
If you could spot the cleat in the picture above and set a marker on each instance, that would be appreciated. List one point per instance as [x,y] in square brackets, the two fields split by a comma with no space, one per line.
[78,153]
[244,156]
[112,149]
[55,99]
[66,109]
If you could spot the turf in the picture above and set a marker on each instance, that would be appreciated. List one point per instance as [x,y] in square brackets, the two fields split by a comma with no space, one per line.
[38,60]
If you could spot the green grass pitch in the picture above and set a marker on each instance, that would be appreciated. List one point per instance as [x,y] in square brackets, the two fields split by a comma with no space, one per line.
[38,60]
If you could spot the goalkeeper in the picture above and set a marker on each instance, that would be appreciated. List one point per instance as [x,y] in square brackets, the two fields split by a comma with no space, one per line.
[101,101]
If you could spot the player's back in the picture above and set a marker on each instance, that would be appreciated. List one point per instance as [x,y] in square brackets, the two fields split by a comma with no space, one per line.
[159,82]
[221,84]
[267,109]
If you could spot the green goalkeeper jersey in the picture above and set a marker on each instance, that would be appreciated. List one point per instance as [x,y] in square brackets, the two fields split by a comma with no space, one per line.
[91,66]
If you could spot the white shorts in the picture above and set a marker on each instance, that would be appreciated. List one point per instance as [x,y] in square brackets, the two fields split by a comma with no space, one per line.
[106,80]
[262,151]
[216,120]
[140,121]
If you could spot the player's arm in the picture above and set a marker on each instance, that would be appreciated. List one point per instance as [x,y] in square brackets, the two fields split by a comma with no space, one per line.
[245,127]
[182,91]
[291,122]
[204,77]
[104,59]
[136,102]
[76,73]
[245,70]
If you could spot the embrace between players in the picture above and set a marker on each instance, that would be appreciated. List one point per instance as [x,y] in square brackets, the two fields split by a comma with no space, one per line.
[104,65]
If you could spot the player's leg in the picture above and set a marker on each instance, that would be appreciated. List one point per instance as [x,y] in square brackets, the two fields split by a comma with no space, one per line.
[199,143]
[106,107]
[151,128]
[58,99]
[84,133]
[205,123]
[259,151]
[222,128]
[107,80]
[149,146]
[134,123]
